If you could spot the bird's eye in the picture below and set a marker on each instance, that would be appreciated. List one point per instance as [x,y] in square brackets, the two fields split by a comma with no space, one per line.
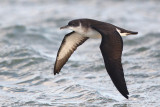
[73,24]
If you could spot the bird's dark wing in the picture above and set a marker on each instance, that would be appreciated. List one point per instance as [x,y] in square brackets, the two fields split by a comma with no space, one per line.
[69,44]
[111,49]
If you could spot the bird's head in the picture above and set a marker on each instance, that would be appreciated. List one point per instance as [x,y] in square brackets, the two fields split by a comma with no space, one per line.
[76,25]
[71,24]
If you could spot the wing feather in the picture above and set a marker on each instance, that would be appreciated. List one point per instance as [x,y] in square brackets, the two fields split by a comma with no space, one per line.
[69,44]
[111,48]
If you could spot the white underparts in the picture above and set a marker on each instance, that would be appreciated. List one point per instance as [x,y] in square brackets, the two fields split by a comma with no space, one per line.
[122,34]
[86,32]
[91,33]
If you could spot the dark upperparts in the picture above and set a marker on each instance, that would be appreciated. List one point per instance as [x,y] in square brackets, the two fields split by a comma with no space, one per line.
[103,25]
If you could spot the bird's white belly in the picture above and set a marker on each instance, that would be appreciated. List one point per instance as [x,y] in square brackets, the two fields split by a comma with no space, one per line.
[92,33]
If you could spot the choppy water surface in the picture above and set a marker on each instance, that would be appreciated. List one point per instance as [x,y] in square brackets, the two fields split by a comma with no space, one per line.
[30,38]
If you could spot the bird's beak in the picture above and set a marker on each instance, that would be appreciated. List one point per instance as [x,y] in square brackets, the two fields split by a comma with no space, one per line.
[64,27]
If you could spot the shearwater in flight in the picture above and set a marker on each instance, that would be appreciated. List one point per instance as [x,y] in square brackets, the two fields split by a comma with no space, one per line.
[111,47]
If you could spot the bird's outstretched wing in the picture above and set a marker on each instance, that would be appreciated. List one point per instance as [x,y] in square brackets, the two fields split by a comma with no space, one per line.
[111,48]
[69,44]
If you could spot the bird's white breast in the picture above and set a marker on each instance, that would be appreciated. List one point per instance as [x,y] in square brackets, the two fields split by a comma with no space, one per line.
[87,32]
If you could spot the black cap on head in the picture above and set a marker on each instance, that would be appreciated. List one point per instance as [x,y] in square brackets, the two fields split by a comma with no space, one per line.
[73,23]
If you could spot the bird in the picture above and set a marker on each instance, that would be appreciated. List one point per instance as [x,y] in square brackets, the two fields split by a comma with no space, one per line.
[111,47]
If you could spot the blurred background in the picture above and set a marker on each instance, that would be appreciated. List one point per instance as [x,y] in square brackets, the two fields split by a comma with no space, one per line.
[30,38]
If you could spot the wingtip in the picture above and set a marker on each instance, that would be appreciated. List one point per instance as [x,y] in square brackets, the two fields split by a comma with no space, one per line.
[55,72]
[124,92]
[126,96]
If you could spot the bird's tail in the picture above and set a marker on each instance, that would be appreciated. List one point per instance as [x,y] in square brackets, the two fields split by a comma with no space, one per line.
[124,32]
